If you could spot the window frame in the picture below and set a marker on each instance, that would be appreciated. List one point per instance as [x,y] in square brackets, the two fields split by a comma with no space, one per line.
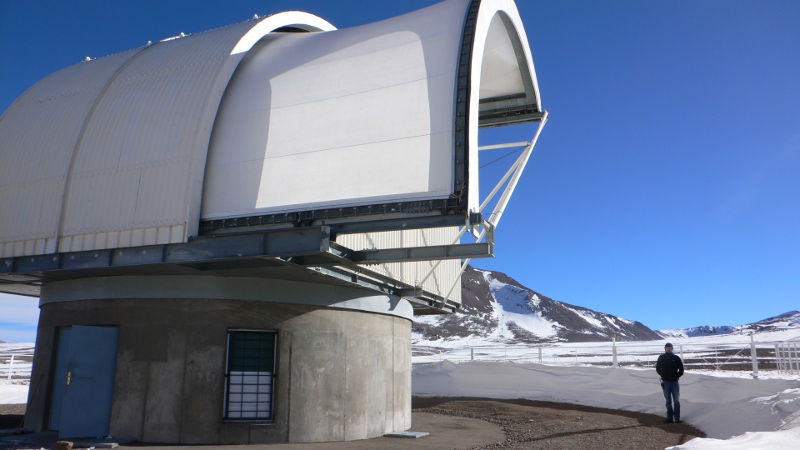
[228,379]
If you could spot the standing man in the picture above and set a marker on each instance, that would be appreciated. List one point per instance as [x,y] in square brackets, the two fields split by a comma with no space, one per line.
[670,367]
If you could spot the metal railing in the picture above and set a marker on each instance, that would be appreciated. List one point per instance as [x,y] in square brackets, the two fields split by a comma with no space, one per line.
[15,363]
[749,357]
[787,356]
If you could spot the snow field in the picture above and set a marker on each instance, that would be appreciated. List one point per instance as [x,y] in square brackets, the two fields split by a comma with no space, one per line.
[735,410]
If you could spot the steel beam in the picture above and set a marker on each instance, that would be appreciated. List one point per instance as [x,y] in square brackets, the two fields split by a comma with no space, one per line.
[309,249]
[437,252]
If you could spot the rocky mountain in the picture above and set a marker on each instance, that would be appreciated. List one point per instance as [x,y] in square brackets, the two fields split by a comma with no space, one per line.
[783,321]
[497,310]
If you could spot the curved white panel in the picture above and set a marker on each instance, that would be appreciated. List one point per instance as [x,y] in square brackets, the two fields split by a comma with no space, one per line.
[34,165]
[139,152]
[288,19]
[500,71]
[350,117]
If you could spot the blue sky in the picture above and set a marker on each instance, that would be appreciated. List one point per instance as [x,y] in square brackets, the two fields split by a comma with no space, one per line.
[664,189]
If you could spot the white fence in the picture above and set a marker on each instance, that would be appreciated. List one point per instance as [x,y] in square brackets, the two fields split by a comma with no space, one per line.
[753,357]
[15,362]
[787,356]
[782,357]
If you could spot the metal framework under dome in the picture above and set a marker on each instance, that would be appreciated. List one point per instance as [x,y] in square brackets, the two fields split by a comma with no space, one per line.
[299,255]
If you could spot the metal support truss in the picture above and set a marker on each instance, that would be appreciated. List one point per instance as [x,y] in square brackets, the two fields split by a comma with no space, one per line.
[487,227]
[515,171]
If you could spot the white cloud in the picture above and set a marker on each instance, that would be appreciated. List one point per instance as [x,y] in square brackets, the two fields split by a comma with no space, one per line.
[19,317]
[15,308]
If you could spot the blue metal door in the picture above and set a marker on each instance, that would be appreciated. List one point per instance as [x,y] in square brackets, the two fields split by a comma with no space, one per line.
[60,384]
[92,363]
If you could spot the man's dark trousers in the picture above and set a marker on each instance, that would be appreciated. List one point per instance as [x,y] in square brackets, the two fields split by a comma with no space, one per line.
[672,392]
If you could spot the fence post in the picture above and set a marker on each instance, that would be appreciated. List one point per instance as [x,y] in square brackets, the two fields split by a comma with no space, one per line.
[540,355]
[778,364]
[786,356]
[614,351]
[753,356]
[11,366]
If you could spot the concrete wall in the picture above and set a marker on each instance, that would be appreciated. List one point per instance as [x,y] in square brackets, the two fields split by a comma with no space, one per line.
[341,374]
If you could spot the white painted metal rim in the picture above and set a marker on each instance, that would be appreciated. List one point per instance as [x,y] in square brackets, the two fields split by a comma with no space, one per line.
[487,11]
[296,19]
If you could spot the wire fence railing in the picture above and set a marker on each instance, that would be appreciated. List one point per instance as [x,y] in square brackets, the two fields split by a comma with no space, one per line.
[780,357]
[787,356]
[16,363]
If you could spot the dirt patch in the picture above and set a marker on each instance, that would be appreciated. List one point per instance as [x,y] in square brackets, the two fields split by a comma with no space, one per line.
[11,416]
[544,425]
[526,424]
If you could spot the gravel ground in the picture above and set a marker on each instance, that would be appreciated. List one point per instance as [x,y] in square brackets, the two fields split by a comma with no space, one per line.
[544,425]
[11,416]
[526,424]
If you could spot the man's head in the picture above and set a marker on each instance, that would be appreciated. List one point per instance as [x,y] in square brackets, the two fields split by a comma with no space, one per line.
[667,347]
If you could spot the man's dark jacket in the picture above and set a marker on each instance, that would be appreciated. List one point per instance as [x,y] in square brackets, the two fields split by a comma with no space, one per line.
[669,366]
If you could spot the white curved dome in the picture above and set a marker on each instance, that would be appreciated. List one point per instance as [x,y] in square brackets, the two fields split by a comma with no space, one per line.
[139,147]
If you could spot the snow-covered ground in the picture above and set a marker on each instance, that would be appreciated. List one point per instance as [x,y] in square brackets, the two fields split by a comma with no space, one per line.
[719,351]
[735,410]
[14,388]
[722,407]
[13,393]
[15,358]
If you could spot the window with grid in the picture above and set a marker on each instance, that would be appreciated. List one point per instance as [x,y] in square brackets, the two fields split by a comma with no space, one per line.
[250,375]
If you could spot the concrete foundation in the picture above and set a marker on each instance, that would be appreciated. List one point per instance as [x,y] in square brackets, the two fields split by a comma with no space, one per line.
[342,374]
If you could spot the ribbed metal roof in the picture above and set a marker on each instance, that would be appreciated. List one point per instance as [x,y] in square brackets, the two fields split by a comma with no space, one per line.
[111,152]
[38,135]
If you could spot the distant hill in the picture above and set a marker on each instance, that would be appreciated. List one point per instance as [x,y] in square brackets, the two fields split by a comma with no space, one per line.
[783,321]
[497,310]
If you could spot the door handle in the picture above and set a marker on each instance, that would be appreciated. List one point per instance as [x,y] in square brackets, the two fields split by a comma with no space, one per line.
[69,376]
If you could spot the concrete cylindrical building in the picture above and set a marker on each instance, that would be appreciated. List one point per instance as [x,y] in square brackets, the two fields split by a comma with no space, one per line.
[333,371]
